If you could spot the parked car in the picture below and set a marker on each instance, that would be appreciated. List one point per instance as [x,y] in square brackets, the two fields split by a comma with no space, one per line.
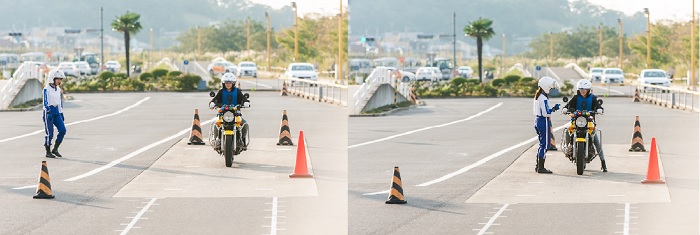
[113,66]
[465,71]
[613,75]
[405,75]
[654,77]
[83,67]
[428,74]
[221,67]
[69,69]
[247,68]
[595,74]
[301,71]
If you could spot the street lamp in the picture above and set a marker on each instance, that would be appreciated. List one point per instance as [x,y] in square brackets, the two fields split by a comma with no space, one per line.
[268,40]
[150,52]
[600,43]
[503,56]
[296,31]
[646,12]
[619,22]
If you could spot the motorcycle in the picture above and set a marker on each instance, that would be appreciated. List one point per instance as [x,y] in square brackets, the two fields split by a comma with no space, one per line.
[577,139]
[225,135]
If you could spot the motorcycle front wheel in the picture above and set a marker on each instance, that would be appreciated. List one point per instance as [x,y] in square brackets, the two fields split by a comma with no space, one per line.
[580,157]
[228,150]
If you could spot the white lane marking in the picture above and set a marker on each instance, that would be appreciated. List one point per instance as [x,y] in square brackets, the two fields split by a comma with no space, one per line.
[259,84]
[192,148]
[264,189]
[273,221]
[83,121]
[132,154]
[26,187]
[605,88]
[173,189]
[375,193]
[617,195]
[285,149]
[524,195]
[626,226]
[136,218]
[636,155]
[191,166]
[427,128]
[484,160]
[536,182]
[268,166]
[493,218]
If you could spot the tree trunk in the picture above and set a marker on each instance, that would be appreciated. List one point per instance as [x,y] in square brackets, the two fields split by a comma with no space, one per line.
[479,47]
[126,47]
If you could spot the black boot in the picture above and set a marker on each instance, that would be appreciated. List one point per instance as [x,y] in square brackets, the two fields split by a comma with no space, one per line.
[540,167]
[48,151]
[605,168]
[55,149]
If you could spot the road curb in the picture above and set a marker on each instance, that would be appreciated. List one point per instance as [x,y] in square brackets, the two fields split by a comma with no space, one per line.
[420,103]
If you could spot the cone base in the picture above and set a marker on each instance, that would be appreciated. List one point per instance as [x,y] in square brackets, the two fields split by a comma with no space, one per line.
[395,202]
[288,144]
[195,143]
[44,197]
[301,176]
[653,182]
[638,150]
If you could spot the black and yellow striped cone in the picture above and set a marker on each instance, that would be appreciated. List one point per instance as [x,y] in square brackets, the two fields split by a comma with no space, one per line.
[636,95]
[284,88]
[637,141]
[196,132]
[285,132]
[43,190]
[396,192]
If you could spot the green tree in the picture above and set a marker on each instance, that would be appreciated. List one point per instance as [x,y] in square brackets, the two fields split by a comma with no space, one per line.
[129,25]
[481,30]
[660,42]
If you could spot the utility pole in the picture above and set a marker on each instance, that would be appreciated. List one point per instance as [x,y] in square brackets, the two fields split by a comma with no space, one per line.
[551,48]
[268,40]
[199,44]
[619,22]
[150,52]
[454,42]
[247,37]
[339,70]
[646,11]
[102,40]
[296,31]
[600,44]
[692,49]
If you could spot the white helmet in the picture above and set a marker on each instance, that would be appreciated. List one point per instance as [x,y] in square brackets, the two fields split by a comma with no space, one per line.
[583,84]
[56,74]
[547,83]
[228,77]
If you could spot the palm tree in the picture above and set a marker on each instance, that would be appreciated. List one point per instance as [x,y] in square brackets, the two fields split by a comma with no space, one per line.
[482,31]
[129,25]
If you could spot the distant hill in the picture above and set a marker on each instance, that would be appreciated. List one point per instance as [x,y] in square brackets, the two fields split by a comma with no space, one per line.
[165,17]
[515,18]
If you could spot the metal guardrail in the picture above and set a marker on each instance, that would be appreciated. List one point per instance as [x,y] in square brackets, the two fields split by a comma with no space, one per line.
[379,76]
[319,91]
[670,97]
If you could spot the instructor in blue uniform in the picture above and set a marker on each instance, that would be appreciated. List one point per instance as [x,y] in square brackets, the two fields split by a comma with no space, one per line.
[53,113]
[542,112]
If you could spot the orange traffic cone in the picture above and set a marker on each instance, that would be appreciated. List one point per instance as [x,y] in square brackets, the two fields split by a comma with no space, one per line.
[284,88]
[285,132]
[300,168]
[43,190]
[653,176]
[196,132]
[637,141]
[396,192]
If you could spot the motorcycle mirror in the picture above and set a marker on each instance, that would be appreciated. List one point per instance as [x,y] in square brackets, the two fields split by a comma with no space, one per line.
[212,94]
[566,99]
[246,95]
[600,102]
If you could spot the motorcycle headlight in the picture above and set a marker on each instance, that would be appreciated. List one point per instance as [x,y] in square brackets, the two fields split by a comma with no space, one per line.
[580,121]
[228,117]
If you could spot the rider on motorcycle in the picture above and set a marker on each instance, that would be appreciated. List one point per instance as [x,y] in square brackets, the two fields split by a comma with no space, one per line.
[583,95]
[230,95]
